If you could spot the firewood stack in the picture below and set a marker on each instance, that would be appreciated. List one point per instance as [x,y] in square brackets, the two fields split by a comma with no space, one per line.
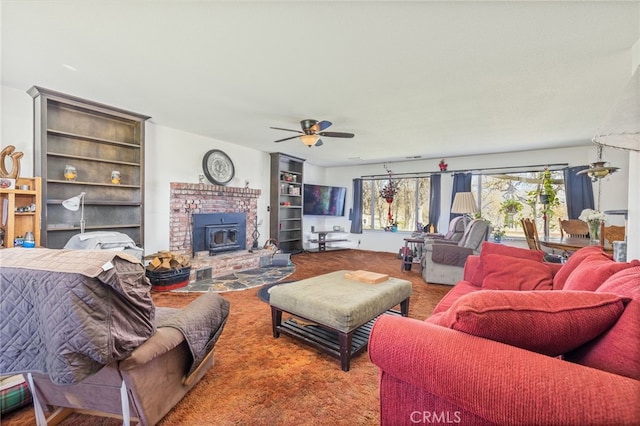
[165,260]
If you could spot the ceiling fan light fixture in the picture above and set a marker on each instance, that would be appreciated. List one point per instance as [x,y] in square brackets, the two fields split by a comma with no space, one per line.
[309,140]
[598,169]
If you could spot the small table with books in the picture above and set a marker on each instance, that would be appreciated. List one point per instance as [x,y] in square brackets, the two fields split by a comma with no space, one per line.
[334,312]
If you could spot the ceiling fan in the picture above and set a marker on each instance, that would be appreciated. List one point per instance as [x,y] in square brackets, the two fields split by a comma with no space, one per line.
[311,132]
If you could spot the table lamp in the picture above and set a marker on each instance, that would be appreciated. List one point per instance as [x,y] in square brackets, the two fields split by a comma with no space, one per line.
[465,204]
[75,203]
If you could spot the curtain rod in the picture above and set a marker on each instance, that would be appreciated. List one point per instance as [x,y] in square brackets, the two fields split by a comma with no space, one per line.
[555,166]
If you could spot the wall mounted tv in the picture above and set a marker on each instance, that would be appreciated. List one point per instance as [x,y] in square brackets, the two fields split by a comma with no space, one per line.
[320,200]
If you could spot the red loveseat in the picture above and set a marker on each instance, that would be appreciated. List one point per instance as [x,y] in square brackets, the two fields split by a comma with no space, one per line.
[518,341]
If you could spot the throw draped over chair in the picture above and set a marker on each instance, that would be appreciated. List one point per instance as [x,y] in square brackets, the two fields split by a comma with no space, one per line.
[574,228]
[443,263]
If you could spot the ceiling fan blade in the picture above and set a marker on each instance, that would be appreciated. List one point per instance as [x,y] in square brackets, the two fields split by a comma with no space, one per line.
[319,143]
[336,134]
[320,126]
[287,130]
[286,139]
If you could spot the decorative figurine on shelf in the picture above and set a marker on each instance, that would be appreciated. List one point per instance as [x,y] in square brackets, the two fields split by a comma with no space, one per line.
[115,177]
[70,173]
[10,151]
[443,166]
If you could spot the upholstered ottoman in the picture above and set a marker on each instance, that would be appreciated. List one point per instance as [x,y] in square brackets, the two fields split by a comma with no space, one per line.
[337,305]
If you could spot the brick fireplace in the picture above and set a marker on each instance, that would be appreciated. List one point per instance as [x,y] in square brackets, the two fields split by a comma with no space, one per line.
[189,199]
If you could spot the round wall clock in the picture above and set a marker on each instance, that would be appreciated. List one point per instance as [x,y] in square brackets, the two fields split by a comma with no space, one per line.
[218,167]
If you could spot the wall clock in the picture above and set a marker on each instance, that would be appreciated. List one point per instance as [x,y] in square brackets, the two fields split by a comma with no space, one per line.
[218,167]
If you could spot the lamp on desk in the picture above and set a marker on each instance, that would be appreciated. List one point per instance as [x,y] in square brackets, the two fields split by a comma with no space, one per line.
[465,204]
[75,203]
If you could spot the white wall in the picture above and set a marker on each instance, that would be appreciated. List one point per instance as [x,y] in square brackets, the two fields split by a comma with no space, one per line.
[613,191]
[633,226]
[170,156]
[176,156]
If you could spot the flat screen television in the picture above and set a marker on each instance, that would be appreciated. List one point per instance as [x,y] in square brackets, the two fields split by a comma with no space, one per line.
[321,200]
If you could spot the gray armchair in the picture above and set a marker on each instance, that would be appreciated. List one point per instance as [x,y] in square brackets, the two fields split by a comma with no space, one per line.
[443,263]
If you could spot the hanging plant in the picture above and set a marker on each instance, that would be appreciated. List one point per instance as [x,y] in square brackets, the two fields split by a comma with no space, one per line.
[388,192]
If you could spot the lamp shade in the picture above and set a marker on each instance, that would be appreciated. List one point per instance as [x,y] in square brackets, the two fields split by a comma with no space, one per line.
[73,203]
[464,203]
[621,129]
[309,140]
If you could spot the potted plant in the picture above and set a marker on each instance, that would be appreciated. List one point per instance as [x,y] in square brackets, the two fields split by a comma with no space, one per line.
[498,234]
[510,207]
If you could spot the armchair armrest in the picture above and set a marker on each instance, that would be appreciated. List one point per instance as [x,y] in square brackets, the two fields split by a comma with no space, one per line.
[498,382]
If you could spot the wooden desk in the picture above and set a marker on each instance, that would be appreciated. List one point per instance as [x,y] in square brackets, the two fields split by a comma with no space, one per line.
[570,243]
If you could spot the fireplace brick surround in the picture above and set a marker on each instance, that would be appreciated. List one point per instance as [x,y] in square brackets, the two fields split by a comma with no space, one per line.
[189,198]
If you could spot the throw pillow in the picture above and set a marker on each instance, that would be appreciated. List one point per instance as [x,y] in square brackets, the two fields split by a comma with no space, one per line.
[617,351]
[509,273]
[493,248]
[547,322]
[593,271]
[574,260]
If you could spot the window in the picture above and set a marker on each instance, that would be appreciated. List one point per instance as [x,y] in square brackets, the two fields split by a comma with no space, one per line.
[521,189]
[410,205]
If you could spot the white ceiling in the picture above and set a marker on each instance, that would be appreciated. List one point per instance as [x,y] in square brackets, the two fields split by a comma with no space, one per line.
[430,79]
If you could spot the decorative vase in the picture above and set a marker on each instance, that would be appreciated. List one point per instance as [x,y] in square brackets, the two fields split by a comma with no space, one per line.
[594,230]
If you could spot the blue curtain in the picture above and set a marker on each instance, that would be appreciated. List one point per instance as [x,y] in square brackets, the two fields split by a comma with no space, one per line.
[578,190]
[461,183]
[434,200]
[355,214]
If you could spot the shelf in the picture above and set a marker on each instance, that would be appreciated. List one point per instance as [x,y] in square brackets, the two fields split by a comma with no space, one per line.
[64,227]
[75,182]
[99,160]
[91,138]
[328,241]
[98,203]
[286,176]
[97,140]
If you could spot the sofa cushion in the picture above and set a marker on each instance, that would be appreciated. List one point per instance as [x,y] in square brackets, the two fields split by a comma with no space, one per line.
[460,289]
[510,273]
[617,350]
[593,271]
[493,248]
[574,260]
[547,322]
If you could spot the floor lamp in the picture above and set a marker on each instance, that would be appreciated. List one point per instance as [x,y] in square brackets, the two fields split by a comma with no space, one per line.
[75,203]
[465,204]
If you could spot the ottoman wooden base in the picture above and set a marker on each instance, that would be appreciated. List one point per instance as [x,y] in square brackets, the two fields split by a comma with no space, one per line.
[339,306]
[338,344]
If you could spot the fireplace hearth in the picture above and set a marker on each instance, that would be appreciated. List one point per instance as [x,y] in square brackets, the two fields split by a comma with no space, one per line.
[219,232]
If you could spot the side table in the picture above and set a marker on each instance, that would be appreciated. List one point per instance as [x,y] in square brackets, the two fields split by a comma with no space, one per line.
[412,247]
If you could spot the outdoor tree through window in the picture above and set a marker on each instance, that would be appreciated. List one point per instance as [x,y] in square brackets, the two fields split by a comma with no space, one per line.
[410,204]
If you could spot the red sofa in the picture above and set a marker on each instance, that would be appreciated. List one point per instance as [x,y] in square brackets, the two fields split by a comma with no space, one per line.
[518,341]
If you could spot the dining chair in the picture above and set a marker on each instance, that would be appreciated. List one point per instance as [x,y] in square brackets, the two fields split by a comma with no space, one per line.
[533,240]
[611,233]
[531,233]
[574,228]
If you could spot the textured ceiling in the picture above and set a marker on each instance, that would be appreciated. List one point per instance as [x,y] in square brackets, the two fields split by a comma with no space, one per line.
[429,79]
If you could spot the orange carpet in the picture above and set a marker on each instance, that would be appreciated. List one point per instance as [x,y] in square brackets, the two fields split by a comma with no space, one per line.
[260,380]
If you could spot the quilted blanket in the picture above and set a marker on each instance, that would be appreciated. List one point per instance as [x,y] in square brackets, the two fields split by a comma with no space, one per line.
[67,313]
[450,254]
